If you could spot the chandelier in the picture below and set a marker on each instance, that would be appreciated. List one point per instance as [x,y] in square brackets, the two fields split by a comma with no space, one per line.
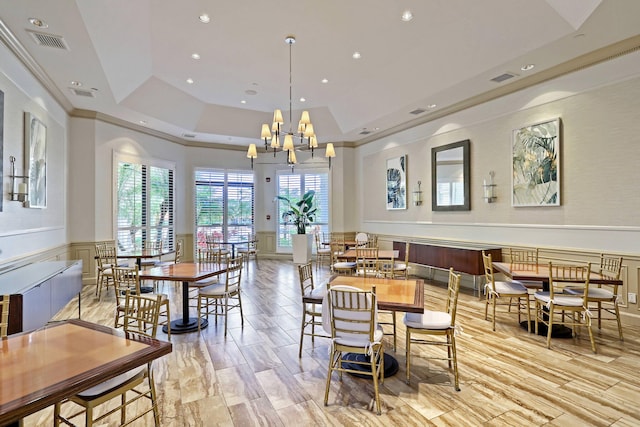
[274,134]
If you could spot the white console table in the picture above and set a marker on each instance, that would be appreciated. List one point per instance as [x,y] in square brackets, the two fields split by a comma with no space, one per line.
[39,291]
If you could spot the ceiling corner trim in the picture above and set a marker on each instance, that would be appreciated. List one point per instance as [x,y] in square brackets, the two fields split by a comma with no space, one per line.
[10,40]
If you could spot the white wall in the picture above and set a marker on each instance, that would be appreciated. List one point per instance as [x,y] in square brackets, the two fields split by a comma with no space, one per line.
[600,153]
[24,231]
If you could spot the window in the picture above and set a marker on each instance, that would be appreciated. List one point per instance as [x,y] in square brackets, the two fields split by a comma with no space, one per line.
[145,202]
[294,186]
[224,205]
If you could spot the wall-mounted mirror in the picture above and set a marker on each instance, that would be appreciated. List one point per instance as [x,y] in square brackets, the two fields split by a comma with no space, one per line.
[450,175]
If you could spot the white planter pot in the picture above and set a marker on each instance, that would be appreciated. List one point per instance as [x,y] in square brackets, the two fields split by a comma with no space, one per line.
[302,248]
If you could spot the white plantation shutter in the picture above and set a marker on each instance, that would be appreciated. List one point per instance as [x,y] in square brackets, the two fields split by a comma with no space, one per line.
[144,195]
[224,205]
[294,185]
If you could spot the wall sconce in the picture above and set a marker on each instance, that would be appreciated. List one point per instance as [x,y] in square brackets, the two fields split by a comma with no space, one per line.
[489,189]
[417,195]
[21,193]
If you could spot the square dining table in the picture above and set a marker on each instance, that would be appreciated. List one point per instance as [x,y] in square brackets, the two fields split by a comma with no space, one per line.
[185,272]
[48,365]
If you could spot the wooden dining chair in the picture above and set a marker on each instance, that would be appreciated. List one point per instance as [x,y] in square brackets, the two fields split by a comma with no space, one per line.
[219,298]
[552,306]
[106,258]
[605,298]
[367,261]
[141,313]
[350,316]
[215,245]
[508,290]
[401,269]
[127,280]
[433,324]
[311,311]
[322,251]
[4,315]
[151,245]
[339,266]
[251,250]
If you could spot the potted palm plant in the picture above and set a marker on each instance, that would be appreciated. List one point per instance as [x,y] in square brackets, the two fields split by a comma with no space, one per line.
[300,213]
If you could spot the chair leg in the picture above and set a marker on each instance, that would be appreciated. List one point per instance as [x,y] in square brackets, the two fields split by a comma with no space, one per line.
[617,313]
[304,317]
[408,353]
[329,373]
[454,356]
[493,319]
[374,374]
[550,325]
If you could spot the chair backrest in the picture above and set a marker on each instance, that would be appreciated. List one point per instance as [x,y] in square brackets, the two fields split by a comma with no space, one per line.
[127,279]
[4,315]
[107,255]
[179,252]
[234,274]
[337,248]
[141,313]
[305,272]
[406,253]
[152,245]
[361,239]
[352,313]
[610,266]
[573,275]
[488,270]
[453,290]
[367,261]
[207,256]
[318,240]
[373,240]
[524,259]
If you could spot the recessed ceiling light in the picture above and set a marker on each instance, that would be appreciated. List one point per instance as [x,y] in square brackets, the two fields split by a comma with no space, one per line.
[407,16]
[76,83]
[431,106]
[356,55]
[243,102]
[204,18]
[190,81]
[303,99]
[38,23]
[325,80]
[195,56]
[527,67]
[143,122]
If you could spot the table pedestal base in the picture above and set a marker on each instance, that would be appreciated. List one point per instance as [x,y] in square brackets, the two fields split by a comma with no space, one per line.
[180,327]
[557,331]
[390,364]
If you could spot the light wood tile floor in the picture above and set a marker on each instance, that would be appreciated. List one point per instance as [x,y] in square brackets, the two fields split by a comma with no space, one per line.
[254,376]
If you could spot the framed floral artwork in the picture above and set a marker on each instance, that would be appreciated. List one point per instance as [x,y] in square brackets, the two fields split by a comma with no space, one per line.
[397,183]
[535,154]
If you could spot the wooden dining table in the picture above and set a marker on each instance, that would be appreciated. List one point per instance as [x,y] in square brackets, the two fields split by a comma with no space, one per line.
[140,254]
[540,273]
[185,272]
[351,254]
[48,365]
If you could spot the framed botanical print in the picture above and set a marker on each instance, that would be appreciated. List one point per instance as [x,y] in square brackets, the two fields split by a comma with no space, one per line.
[535,155]
[35,161]
[397,183]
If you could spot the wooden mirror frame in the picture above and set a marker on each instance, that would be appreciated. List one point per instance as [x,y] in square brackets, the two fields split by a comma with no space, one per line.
[466,206]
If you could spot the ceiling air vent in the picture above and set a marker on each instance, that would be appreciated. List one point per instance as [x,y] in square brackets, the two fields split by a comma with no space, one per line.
[189,135]
[365,132]
[82,92]
[417,111]
[49,40]
[503,77]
